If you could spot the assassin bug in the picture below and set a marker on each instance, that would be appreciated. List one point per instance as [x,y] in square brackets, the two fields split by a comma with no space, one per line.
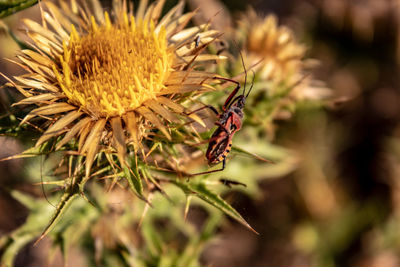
[229,122]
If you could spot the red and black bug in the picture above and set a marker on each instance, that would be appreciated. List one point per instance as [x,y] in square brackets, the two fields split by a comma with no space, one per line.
[229,122]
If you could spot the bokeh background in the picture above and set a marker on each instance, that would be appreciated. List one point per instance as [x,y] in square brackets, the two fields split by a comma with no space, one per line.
[341,205]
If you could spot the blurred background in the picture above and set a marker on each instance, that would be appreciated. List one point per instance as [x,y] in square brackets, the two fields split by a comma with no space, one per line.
[341,205]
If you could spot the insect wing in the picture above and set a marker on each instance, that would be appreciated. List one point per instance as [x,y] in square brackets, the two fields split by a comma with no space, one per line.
[218,146]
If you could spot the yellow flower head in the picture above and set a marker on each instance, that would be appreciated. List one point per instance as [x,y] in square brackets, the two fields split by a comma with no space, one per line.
[112,79]
[115,68]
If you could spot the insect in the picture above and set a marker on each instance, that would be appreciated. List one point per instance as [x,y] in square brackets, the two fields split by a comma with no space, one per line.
[229,122]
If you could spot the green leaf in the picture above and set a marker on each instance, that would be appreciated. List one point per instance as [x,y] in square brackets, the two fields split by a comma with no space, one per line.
[9,7]
[192,253]
[215,200]
[201,191]
[11,251]
[44,149]
[247,153]
[135,183]
[8,3]
[152,239]
[78,221]
[66,200]
[40,212]
[31,152]
[184,187]
[147,175]
[68,231]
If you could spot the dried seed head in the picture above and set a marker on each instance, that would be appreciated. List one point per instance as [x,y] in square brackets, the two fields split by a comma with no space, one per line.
[272,46]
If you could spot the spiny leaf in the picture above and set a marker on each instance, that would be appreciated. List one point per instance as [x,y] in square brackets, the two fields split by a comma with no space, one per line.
[31,152]
[215,200]
[62,206]
[244,152]
[135,183]
[184,187]
[9,7]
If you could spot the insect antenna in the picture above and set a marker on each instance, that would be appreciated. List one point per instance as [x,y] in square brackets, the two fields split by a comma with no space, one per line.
[252,83]
[41,180]
[244,67]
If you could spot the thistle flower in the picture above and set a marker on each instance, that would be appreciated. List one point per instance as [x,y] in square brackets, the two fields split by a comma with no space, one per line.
[273,47]
[112,80]
[282,71]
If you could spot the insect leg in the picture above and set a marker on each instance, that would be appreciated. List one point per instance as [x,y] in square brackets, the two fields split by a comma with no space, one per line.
[207,172]
[204,107]
[222,127]
[234,92]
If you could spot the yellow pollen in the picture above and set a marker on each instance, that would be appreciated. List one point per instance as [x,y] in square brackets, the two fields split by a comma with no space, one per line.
[114,68]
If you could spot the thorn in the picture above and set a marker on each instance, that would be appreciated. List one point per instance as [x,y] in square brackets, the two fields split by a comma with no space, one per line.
[263,159]
[85,198]
[145,210]
[187,206]
[252,229]
[39,239]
